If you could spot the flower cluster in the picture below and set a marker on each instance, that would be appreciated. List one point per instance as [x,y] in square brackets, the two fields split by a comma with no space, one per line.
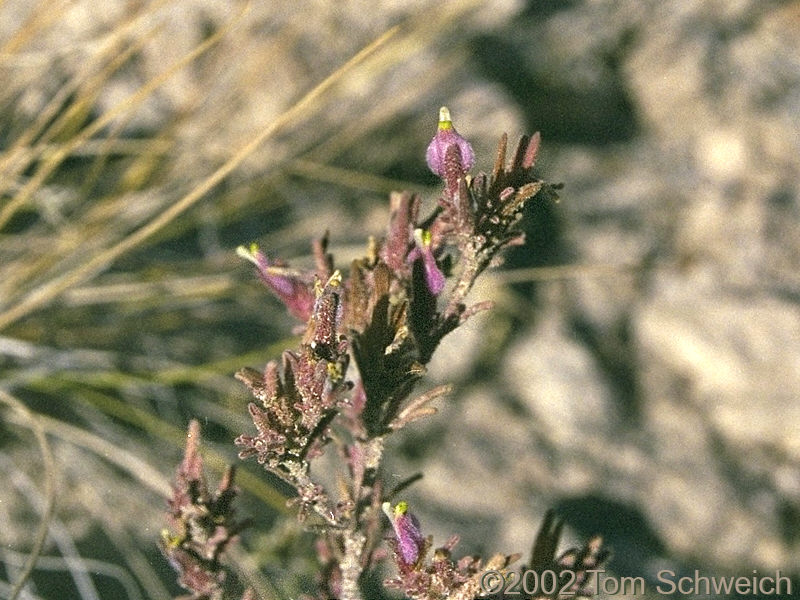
[389,314]
[202,525]
[300,397]
[440,577]
[385,314]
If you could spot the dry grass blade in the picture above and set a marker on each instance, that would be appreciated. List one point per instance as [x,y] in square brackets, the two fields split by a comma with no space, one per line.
[49,490]
[98,262]
[48,114]
[141,470]
[96,567]
[54,159]
[41,17]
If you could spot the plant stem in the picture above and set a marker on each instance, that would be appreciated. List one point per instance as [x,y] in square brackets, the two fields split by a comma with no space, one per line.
[351,565]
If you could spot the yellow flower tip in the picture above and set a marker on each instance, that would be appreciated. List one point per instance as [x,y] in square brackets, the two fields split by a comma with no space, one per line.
[401,508]
[445,122]
[249,254]
[335,279]
[334,371]
[423,237]
[169,540]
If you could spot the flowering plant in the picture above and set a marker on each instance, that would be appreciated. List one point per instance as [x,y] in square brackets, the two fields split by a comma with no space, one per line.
[387,317]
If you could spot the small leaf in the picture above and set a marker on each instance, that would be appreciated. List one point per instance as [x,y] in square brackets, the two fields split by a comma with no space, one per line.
[418,408]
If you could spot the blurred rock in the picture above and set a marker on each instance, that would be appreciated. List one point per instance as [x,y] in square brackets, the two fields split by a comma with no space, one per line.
[671,386]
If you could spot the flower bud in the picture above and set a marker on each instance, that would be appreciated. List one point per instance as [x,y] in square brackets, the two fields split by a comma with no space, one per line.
[446,136]
[410,541]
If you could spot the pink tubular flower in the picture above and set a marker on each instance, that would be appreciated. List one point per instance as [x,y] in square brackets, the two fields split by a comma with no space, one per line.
[410,541]
[434,278]
[291,288]
[446,136]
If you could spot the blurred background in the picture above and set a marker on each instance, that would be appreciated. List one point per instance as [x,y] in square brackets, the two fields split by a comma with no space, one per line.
[640,373]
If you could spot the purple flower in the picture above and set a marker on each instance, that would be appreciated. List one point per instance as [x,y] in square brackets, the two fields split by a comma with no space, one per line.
[434,278]
[446,136]
[410,542]
[291,287]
